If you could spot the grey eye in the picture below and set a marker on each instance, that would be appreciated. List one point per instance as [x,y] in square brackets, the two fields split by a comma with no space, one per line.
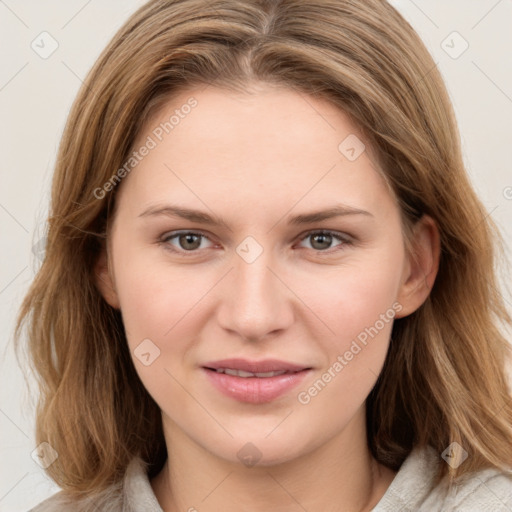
[188,241]
[322,240]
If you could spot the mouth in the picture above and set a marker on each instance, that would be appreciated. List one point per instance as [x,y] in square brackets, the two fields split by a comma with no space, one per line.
[242,373]
[254,381]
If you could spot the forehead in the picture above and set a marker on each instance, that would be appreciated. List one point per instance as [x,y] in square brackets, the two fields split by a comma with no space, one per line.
[272,147]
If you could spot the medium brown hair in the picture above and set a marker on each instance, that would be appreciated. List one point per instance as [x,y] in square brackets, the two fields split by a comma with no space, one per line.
[444,376]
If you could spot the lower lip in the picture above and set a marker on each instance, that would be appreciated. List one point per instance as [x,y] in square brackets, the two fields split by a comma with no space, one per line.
[255,390]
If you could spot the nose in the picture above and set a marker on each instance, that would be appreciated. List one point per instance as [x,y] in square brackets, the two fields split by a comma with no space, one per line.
[256,302]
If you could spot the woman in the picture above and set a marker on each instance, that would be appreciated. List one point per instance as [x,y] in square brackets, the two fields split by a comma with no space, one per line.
[269,283]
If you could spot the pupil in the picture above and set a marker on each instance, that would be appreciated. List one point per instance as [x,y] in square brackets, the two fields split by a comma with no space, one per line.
[323,237]
[189,238]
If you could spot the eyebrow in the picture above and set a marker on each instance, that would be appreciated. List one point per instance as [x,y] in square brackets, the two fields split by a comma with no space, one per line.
[205,218]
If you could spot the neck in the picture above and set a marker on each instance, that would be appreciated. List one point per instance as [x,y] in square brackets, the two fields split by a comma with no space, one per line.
[339,475]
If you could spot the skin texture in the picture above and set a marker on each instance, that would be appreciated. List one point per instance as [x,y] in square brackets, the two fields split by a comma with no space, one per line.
[255,160]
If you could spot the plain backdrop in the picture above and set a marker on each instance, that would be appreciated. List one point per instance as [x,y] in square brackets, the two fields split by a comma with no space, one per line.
[470,40]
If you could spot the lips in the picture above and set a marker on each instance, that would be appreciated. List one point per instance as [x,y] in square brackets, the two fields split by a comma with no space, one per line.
[254,381]
[267,365]
[244,374]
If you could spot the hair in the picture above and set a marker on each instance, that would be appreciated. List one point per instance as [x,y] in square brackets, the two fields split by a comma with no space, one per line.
[444,378]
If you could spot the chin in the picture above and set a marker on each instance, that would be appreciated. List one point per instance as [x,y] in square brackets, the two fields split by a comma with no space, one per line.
[256,451]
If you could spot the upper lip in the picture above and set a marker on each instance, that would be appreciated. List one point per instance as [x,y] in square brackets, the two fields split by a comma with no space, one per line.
[265,365]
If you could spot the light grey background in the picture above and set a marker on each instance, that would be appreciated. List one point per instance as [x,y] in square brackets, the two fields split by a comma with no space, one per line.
[36,94]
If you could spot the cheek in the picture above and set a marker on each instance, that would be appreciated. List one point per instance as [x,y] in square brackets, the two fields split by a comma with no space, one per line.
[156,304]
[360,312]
[353,297]
[157,299]
[357,305]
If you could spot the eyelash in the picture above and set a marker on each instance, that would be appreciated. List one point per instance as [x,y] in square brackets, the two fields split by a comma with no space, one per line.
[335,235]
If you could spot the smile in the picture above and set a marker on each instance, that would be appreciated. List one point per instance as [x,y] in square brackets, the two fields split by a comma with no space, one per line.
[254,382]
[243,373]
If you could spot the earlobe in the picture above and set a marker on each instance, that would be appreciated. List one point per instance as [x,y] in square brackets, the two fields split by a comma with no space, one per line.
[421,266]
[104,280]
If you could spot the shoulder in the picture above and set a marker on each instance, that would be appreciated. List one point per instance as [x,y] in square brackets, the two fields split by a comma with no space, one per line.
[109,500]
[131,494]
[488,489]
[413,489]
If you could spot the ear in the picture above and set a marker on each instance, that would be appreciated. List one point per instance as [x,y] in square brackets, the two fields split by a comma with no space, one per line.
[421,266]
[104,280]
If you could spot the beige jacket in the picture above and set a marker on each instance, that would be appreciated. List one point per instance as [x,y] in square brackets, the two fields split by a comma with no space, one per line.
[410,491]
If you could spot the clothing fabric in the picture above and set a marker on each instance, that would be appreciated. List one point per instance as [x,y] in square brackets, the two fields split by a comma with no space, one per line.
[410,491]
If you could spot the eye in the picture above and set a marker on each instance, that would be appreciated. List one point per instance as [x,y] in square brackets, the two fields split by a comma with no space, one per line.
[188,241]
[322,240]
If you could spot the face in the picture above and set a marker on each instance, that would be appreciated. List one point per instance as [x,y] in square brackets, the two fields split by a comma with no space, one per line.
[254,278]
